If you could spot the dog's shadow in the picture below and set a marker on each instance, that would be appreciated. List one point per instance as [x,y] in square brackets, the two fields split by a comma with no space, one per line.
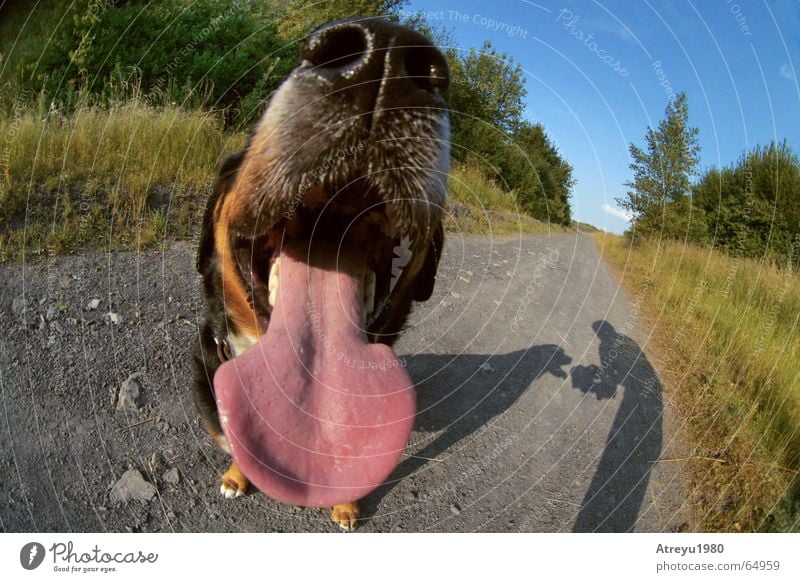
[458,395]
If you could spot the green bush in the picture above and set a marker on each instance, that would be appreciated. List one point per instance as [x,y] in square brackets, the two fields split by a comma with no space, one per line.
[210,53]
[753,206]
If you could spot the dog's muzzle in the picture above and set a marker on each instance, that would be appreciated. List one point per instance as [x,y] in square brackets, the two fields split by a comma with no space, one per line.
[348,164]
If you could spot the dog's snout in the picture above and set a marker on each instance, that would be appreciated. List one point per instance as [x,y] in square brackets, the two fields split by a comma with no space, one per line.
[359,56]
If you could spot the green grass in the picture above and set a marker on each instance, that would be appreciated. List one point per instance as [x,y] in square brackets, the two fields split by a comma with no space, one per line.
[118,177]
[132,175]
[478,206]
[729,332]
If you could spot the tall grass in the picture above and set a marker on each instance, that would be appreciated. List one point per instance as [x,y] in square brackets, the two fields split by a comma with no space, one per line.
[122,175]
[478,206]
[729,331]
[130,174]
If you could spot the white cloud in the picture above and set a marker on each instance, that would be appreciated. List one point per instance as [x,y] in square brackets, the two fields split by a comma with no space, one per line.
[618,30]
[621,214]
[786,72]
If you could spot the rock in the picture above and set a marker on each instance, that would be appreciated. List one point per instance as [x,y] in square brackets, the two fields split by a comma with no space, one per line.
[457,210]
[172,476]
[455,510]
[131,487]
[93,305]
[486,367]
[114,318]
[52,312]
[19,306]
[131,395]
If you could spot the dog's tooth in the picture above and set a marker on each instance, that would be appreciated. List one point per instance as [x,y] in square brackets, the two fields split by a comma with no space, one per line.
[274,274]
[274,279]
[369,292]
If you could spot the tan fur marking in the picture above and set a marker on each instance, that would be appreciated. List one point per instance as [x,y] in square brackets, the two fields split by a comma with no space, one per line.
[220,440]
[235,295]
[244,195]
[345,515]
[234,479]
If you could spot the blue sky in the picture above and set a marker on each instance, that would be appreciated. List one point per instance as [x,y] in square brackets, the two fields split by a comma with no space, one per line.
[738,62]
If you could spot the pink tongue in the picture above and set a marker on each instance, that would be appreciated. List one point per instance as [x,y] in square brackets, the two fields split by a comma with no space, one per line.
[313,413]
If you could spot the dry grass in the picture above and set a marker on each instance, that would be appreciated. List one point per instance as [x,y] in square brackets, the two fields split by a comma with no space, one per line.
[478,206]
[132,175]
[117,177]
[730,347]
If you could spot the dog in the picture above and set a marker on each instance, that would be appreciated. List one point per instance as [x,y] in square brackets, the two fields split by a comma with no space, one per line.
[316,240]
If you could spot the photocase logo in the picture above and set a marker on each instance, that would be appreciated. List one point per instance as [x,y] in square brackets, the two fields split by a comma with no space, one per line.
[31,555]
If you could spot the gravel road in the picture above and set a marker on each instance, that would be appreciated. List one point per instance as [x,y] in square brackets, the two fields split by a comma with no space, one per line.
[538,411]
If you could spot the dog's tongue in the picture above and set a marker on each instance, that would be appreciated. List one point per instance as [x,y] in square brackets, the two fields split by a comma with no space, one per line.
[314,414]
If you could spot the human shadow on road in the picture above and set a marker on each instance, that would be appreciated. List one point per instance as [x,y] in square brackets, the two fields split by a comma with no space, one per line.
[615,495]
[461,394]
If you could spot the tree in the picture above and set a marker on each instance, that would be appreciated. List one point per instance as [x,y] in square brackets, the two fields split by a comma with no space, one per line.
[300,17]
[486,99]
[753,206]
[662,175]
[210,53]
[542,178]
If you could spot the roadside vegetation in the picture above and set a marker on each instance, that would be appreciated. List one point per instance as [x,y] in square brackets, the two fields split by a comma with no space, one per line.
[122,176]
[713,260]
[727,344]
[748,209]
[477,205]
[114,116]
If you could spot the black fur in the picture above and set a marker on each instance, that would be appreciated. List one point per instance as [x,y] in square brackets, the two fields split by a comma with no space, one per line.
[411,184]
[206,352]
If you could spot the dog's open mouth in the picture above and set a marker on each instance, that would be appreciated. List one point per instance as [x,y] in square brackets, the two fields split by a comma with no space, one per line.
[315,414]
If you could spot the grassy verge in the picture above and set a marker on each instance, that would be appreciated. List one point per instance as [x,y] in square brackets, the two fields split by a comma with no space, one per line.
[132,175]
[478,206]
[124,176]
[728,341]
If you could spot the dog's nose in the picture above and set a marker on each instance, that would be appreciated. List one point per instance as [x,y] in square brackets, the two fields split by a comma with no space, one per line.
[380,64]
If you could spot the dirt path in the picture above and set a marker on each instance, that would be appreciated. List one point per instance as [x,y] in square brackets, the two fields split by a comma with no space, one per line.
[538,411]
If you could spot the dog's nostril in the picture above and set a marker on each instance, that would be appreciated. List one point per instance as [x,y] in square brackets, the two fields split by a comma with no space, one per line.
[337,47]
[427,68]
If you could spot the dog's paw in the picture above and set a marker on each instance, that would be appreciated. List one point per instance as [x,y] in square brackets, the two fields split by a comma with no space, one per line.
[346,515]
[234,483]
